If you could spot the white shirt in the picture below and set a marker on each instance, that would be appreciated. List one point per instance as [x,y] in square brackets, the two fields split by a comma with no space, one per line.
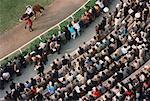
[6,75]
[42,45]
[76,26]
[123,50]
[29,10]
[117,21]
[142,77]
[100,4]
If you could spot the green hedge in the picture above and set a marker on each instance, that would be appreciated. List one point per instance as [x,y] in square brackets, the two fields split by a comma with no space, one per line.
[79,13]
[65,23]
[10,58]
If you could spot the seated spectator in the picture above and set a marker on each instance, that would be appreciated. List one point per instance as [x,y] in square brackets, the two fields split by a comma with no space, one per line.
[80,50]
[54,47]
[28,84]
[33,90]
[96,93]
[39,97]
[97,30]
[51,88]
[16,69]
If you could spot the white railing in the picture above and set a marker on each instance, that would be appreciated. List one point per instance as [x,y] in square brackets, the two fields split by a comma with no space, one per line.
[39,36]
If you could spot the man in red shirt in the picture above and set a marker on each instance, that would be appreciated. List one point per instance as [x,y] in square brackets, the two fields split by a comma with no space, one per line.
[28,23]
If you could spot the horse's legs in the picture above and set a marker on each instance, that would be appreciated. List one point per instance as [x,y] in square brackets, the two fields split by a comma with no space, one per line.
[42,8]
[40,12]
[34,15]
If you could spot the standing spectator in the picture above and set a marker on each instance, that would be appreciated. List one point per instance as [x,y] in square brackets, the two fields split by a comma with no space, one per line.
[96,93]
[40,68]
[67,34]
[72,31]
[16,69]
[6,76]
[77,27]
[117,22]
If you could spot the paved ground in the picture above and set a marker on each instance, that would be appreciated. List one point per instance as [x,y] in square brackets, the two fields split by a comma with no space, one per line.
[67,48]
[54,13]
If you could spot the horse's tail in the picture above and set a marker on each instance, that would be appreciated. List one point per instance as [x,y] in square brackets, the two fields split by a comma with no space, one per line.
[40,6]
[37,7]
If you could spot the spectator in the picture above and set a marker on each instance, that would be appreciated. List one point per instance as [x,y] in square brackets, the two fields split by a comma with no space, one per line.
[6,76]
[40,68]
[33,82]
[72,31]
[67,33]
[39,97]
[51,88]
[77,27]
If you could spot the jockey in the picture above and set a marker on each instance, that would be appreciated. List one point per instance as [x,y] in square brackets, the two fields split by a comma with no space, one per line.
[29,10]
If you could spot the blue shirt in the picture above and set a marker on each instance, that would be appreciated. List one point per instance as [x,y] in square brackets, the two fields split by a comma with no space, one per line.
[71,29]
[51,89]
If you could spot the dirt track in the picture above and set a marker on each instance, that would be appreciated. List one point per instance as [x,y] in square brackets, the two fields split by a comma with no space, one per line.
[54,13]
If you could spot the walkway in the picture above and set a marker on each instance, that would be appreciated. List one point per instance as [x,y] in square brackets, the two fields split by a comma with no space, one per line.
[88,33]
[54,13]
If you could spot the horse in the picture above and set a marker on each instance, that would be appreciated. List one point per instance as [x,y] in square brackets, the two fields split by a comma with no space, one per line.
[32,11]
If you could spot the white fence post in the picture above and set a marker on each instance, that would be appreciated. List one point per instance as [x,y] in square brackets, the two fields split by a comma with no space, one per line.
[59,26]
[20,51]
[40,38]
[84,7]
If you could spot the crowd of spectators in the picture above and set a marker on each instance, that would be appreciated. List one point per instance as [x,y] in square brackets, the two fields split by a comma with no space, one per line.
[39,55]
[95,69]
